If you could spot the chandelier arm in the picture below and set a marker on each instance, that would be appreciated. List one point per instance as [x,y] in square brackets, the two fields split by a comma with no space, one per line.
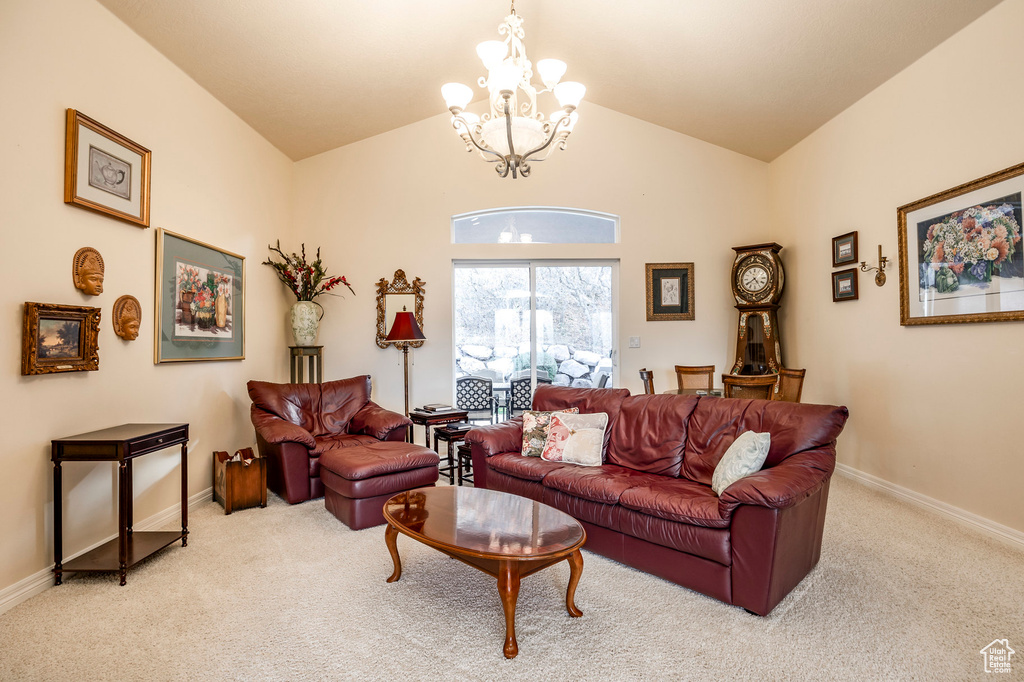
[484,150]
[551,138]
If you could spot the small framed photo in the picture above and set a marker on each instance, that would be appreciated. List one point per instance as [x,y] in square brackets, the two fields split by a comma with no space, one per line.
[104,171]
[669,291]
[960,251]
[844,249]
[200,313]
[60,338]
[844,285]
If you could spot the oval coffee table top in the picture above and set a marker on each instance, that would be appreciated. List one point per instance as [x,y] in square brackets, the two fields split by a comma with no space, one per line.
[486,523]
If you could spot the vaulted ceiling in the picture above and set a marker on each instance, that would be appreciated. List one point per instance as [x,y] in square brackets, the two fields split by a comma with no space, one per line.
[754,76]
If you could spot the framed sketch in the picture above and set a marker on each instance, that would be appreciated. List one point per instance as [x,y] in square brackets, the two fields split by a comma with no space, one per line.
[960,253]
[60,338]
[200,307]
[844,249]
[844,285]
[669,291]
[104,171]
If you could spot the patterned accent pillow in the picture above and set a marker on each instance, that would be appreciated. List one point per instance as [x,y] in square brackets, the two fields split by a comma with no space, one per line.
[535,430]
[576,439]
[745,456]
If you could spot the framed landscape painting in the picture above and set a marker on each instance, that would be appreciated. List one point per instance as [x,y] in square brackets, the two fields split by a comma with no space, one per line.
[200,312]
[960,253]
[669,291]
[104,171]
[844,285]
[60,338]
[844,249]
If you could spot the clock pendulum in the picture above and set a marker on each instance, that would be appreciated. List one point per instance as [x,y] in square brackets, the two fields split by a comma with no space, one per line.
[757,282]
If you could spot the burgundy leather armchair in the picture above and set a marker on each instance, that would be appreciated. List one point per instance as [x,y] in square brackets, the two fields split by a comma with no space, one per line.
[296,423]
[650,504]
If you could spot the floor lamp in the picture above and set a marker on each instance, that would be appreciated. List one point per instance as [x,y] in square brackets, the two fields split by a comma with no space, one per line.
[405,330]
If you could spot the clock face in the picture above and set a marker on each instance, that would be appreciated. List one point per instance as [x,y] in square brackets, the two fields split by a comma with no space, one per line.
[754,279]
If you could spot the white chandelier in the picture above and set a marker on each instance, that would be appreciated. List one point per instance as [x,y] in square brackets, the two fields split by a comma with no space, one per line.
[510,125]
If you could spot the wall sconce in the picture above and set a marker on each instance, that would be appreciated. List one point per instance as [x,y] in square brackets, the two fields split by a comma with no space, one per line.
[880,275]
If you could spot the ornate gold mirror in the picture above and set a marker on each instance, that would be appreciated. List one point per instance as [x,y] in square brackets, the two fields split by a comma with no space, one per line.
[393,297]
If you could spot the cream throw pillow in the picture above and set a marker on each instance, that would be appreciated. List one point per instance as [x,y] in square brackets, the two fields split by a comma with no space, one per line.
[745,456]
[576,438]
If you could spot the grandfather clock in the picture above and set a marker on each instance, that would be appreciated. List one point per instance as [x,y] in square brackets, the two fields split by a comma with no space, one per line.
[757,281]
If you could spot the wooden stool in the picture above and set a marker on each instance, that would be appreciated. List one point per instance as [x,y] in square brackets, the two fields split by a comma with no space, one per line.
[452,434]
[465,454]
[316,363]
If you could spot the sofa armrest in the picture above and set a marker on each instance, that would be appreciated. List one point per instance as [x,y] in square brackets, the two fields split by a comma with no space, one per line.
[273,429]
[497,438]
[374,420]
[795,478]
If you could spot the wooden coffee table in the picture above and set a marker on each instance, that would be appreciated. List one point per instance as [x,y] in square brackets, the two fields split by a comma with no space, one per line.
[506,536]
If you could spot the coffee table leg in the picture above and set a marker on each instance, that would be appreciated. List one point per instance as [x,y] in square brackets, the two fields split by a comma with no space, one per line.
[575,571]
[391,538]
[508,588]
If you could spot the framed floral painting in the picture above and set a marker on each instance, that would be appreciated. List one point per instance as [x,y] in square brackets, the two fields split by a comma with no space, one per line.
[960,253]
[200,313]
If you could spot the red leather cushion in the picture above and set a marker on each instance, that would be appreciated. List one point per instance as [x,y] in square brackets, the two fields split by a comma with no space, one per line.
[602,484]
[528,468]
[589,400]
[677,499]
[340,402]
[295,403]
[344,440]
[795,427]
[709,543]
[651,432]
[382,457]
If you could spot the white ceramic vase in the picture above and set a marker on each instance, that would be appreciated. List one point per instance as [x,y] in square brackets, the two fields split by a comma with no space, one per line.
[305,322]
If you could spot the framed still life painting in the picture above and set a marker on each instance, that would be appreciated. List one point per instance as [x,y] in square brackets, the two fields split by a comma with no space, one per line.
[960,253]
[669,291]
[200,313]
[104,171]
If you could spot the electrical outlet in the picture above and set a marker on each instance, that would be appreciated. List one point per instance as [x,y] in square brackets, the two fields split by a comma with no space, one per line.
[634,342]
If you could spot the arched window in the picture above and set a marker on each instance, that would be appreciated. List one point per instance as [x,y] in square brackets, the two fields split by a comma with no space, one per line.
[535,224]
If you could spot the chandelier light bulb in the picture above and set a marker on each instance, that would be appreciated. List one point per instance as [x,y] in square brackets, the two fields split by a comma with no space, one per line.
[491,53]
[456,95]
[551,71]
[569,94]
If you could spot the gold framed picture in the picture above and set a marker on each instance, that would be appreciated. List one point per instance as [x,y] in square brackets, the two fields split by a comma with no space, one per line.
[60,338]
[669,291]
[104,171]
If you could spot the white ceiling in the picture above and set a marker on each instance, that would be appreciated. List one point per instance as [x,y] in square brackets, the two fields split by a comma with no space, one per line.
[754,76]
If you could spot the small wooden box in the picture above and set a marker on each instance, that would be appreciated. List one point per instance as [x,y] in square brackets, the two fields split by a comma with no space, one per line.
[239,485]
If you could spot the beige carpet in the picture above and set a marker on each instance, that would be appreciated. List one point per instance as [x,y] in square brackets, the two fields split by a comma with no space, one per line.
[289,593]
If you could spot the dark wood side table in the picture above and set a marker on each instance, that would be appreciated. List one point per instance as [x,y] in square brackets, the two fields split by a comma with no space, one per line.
[316,363]
[428,419]
[119,444]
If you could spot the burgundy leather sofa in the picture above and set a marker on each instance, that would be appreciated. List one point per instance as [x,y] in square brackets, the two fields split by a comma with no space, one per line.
[297,423]
[650,505]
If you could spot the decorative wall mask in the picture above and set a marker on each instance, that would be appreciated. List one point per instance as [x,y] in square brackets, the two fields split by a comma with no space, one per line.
[87,271]
[127,317]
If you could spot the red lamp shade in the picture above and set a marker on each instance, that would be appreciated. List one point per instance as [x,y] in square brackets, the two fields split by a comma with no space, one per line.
[405,328]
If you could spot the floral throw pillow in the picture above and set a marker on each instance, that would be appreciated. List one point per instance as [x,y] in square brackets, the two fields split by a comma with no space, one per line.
[745,456]
[535,430]
[576,438]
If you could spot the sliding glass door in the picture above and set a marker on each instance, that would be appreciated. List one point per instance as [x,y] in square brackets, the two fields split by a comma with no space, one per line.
[548,321]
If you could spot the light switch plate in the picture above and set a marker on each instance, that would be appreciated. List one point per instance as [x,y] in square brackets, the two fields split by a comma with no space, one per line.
[634,342]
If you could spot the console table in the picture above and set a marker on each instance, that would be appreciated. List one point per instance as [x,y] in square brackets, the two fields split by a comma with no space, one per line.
[119,444]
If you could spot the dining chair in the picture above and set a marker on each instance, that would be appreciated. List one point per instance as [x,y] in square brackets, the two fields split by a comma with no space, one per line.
[647,377]
[759,386]
[694,376]
[791,385]
[475,395]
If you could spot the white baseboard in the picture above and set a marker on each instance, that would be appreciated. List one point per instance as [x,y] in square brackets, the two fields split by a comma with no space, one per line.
[990,528]
[37,582]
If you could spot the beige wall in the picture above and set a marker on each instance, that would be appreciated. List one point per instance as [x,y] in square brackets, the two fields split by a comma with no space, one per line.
[214,179]
[385,203]
[934,408]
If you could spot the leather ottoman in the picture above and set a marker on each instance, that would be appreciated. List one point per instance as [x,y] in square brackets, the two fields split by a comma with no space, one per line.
[359,479]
